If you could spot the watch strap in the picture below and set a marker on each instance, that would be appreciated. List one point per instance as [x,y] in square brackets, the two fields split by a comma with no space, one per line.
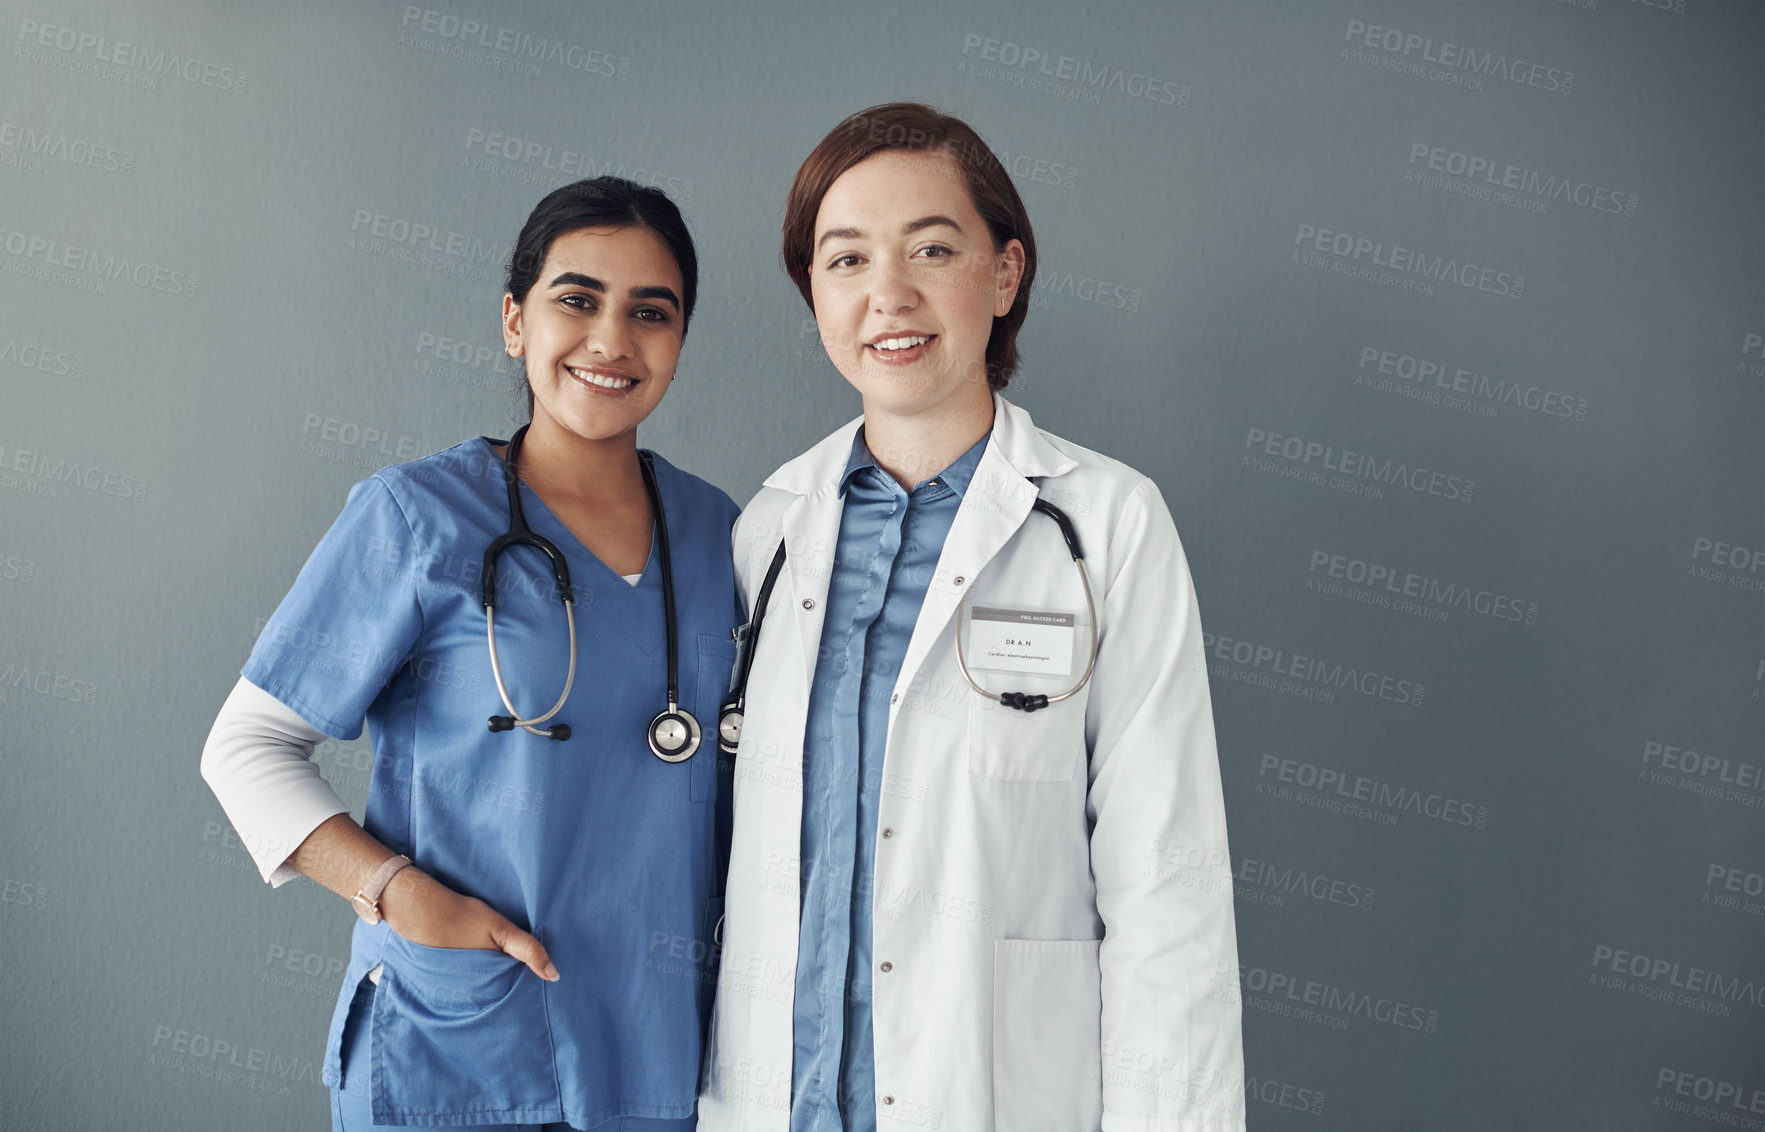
[367,901]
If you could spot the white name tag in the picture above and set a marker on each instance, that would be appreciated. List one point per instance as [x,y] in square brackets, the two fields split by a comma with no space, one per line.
[1039,643]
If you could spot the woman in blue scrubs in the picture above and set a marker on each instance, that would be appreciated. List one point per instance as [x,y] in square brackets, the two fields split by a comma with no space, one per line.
[544,958]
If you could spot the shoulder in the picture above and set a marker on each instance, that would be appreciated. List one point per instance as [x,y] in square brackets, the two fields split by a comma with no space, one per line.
[767,505]
[1118,511]
[1098,486]
[763,517]
[704,499]
[760,529]
[470,468]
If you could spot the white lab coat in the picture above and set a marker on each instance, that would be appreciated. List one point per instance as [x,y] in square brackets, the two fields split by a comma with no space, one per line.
[1058,928]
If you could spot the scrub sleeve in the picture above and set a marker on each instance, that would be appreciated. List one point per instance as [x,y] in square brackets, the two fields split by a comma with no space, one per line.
[349,622]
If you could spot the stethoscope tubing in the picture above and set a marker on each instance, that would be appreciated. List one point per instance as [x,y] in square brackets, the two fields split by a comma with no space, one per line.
[761,600]
[1020,700]
[748,640]
[496,671]
[674,734]
[655,492]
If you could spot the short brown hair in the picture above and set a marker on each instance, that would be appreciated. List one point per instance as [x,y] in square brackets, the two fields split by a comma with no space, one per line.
[921,128]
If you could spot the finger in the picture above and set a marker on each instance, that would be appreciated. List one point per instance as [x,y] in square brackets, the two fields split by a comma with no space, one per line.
[524,947]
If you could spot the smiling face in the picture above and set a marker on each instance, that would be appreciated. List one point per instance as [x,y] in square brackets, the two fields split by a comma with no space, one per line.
[906,283]
[600,331]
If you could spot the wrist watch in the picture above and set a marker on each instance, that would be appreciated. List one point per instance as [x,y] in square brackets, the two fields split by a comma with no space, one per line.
[367,901]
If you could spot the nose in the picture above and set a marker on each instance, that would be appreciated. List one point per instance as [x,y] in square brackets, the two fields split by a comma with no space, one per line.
[892,289]
[609,336]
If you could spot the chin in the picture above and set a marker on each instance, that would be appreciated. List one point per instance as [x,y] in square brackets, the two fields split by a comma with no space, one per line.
[906,392]
[893,395]
[598,425]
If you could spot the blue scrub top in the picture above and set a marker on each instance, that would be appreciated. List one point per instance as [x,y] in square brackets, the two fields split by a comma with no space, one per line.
[603,851]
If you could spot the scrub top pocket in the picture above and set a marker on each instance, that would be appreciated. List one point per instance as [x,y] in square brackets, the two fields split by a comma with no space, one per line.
[463,1033]
[716,661]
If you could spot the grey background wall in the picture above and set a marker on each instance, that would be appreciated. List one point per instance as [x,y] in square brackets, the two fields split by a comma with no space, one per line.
[1441,327]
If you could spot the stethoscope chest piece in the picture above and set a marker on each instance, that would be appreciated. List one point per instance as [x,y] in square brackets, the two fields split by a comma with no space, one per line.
[674,735]
[729,729]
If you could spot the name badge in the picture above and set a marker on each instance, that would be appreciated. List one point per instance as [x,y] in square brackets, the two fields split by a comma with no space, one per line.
[1034,642]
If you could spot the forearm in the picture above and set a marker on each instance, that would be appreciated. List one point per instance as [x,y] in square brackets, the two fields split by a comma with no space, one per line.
[258,762]
[340,855]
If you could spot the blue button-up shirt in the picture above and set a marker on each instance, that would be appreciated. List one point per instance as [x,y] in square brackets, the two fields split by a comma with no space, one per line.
[889,544]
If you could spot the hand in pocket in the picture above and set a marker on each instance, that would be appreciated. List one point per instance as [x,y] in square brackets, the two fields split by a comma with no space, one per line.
[430,914]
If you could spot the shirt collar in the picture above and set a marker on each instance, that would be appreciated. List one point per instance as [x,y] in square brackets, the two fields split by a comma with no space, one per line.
[957,476]
[1019,449]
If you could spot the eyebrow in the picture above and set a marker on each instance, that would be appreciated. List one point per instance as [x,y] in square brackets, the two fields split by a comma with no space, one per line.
[577,279]
[906,229]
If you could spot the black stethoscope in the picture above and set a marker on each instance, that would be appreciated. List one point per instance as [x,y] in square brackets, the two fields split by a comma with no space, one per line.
[674,733]
[729,723]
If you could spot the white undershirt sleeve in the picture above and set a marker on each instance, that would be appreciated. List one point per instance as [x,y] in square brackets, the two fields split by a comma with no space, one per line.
[258,762]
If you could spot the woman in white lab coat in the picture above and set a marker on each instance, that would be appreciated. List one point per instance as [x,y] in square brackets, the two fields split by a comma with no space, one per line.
[943,910]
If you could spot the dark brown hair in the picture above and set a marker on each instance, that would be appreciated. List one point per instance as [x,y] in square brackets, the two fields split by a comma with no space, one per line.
[920,128]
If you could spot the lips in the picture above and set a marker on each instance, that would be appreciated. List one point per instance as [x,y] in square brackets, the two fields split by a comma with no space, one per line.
[599,380]
[899,347]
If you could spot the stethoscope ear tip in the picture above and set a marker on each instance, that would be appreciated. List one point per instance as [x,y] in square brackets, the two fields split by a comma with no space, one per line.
[559,731]
[502,723]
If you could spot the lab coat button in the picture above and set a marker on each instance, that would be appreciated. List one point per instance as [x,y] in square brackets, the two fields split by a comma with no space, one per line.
[887,1099]
[887,967]
[888,831]
[960,579]
[895,699]
[808,603]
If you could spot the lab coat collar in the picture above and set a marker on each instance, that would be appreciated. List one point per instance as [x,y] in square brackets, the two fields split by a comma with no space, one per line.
[1016,440]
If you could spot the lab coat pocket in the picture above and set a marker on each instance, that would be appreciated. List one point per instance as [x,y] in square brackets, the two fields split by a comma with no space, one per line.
[715,663]
[1018,746]
[460,1031]
[1047,1035]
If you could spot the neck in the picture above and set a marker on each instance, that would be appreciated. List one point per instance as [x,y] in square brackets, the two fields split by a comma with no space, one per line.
[914,448]
[566,464]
